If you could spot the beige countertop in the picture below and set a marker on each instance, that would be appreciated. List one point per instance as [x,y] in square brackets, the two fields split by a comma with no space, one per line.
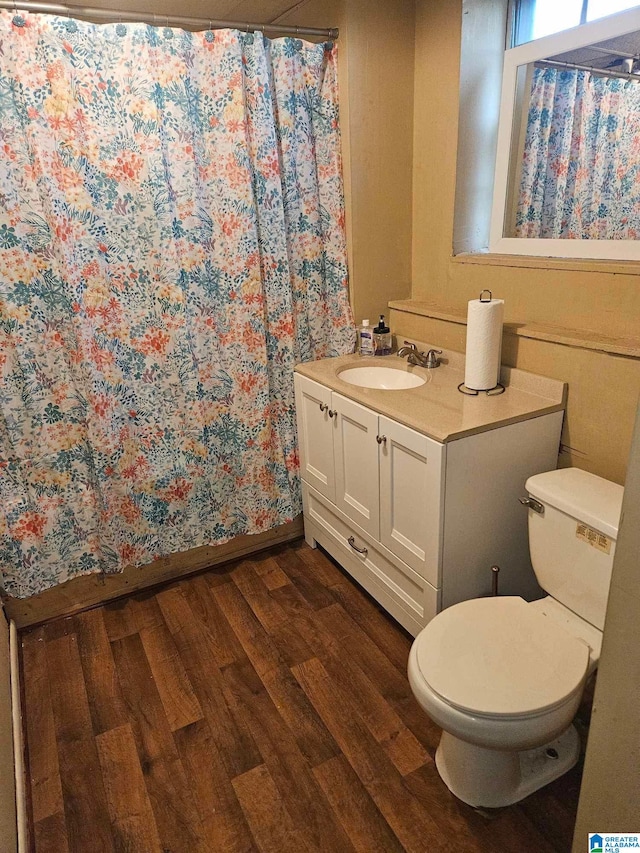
[437,408]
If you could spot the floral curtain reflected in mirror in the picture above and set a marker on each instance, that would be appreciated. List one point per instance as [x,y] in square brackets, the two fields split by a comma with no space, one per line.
[580,170]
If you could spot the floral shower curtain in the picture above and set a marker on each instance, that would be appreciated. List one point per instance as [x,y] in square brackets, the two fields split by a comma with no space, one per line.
[171,244]
[581,167]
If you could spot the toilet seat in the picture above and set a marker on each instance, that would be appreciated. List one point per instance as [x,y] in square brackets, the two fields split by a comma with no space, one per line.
[500,657]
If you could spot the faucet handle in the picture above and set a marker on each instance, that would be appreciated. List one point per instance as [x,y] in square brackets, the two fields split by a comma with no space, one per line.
[407,349]
[432,358]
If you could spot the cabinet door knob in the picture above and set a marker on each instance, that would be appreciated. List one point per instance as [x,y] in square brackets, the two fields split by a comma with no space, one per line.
[381,439]
[352,542]
[323,407]
[332,414]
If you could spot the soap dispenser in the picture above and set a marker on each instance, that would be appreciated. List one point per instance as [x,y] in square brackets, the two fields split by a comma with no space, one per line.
[382,340]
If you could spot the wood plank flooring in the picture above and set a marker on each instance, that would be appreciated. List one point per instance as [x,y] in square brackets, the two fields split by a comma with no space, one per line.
[263,706]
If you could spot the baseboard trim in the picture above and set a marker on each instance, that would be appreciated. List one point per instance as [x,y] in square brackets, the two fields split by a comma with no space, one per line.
[18,739]
[91,590]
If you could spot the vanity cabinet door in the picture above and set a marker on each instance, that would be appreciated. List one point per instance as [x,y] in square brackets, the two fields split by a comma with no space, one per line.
[315,435]
[411,497]
[356,463]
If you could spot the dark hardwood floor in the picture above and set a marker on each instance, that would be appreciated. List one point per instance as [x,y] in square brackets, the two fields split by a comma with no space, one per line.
[261,706]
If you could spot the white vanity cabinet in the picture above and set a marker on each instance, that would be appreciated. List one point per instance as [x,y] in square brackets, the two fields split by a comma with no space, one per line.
[383,476]
[418,522]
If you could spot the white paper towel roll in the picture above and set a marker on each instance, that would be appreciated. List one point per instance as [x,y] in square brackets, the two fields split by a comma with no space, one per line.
[484,343]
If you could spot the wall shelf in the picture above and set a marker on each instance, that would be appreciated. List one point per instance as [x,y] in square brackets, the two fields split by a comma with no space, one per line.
[580,338]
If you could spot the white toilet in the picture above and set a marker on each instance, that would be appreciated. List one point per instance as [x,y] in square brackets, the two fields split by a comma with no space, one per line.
[503,677]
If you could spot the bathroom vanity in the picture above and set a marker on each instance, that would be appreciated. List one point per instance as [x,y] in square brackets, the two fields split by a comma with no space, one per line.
[415,491]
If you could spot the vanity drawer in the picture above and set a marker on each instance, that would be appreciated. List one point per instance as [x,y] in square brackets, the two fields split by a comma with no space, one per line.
[401,591]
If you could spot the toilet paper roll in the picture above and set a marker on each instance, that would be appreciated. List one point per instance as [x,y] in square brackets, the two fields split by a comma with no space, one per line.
[484,344]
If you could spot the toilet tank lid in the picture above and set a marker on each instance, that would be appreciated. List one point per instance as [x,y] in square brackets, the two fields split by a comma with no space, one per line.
[586,497]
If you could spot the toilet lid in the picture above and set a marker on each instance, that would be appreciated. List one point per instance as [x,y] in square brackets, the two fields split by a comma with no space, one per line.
[499,656]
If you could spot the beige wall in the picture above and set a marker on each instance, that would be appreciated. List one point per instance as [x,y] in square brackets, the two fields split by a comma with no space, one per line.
[603,388]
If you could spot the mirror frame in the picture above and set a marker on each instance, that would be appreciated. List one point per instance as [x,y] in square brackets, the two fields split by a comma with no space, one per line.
[581,36]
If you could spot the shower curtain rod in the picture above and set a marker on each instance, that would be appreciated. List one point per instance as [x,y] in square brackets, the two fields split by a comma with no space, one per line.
[605,72]
[118,16]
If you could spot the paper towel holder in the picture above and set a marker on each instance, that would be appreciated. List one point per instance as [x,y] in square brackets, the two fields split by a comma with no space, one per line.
[490,392]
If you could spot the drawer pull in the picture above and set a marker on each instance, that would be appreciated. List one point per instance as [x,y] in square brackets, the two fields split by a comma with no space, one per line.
[332,414]
[352,542]
[323,407]
[381,439]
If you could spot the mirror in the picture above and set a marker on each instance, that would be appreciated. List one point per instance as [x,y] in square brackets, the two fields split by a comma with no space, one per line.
[568,164]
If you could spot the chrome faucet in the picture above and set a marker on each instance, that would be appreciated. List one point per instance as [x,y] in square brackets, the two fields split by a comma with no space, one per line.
[420,359]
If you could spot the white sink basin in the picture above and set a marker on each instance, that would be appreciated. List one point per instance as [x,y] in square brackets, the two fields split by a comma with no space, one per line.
[383,378]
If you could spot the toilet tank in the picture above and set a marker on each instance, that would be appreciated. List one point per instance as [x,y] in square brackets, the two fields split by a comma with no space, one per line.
[573,540]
